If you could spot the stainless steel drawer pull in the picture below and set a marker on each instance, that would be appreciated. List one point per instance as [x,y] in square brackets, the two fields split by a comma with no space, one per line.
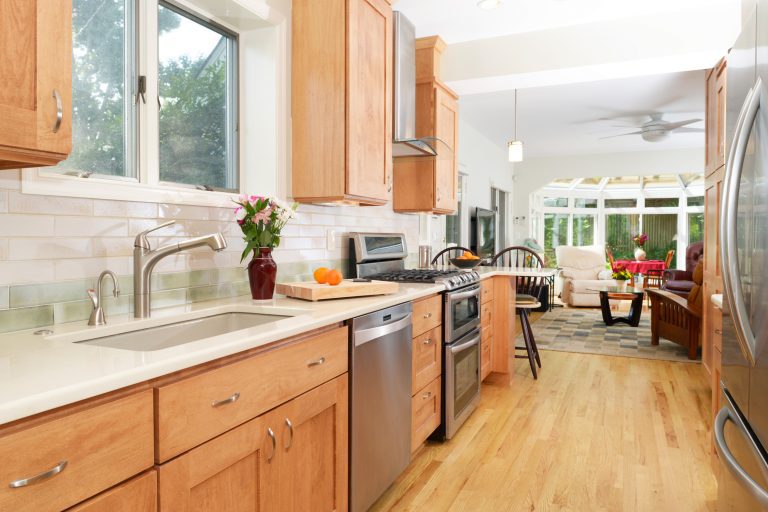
[427,341]
[229,400]
[317,362]
[290,431]
[45,475]
[427,315]
[426,395]
[59,111]
[271,434]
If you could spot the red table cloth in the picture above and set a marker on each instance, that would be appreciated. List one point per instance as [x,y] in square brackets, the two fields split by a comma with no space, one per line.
[641,267]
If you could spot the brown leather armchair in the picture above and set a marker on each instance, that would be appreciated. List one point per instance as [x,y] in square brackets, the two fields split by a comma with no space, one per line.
[680,282]
[678,319]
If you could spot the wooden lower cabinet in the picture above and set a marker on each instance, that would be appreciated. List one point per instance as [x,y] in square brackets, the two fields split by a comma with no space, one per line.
[139,494]
[291,458]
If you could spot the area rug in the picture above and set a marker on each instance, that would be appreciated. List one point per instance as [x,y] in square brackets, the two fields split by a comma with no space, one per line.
[583,330]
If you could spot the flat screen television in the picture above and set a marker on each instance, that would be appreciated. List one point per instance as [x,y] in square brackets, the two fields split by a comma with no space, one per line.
[483,233]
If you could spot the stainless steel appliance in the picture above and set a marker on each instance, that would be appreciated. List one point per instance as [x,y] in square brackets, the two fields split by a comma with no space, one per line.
[741,426]
[382,256]
[380,402]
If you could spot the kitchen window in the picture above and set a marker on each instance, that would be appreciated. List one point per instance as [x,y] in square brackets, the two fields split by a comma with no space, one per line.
[156,107]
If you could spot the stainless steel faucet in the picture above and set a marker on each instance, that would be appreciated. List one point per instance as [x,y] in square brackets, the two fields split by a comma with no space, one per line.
[145,259]
[97,315]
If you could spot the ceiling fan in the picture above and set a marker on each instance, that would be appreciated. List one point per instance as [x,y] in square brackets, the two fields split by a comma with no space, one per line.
[657,129]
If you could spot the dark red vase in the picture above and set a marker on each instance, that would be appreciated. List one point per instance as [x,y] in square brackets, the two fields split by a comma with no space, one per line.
[262,271]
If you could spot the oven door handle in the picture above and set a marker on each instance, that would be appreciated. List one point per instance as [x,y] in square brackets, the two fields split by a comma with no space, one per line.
[453,297]
[455,349]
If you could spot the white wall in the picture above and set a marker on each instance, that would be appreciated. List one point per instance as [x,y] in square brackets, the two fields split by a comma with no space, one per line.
[534,173]
[485,162]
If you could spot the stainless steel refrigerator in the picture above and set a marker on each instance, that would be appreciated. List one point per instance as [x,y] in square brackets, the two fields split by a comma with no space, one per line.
[741,426]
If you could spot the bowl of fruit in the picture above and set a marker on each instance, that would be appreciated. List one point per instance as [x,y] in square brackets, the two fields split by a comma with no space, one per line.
[466,260]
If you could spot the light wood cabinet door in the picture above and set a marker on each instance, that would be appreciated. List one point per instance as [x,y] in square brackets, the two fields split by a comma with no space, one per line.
[312,449]
[36,82]
[341,101]
[235,472]
[369,99]
[446,167]
[425,413]
[139,494]
[427,358]
[715,118]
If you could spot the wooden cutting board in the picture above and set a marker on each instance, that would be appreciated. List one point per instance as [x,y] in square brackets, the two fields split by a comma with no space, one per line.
[309,290]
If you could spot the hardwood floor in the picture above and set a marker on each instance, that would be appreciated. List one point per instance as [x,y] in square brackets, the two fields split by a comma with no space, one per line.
[593,433]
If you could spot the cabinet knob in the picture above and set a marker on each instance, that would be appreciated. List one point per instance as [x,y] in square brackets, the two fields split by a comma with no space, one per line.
[426,395]
[290,432]
[427,341]
[59,111]
[427,315]
[316,362]
[389,183]
[718,331]
[271,434]
[45,475]
[229,400]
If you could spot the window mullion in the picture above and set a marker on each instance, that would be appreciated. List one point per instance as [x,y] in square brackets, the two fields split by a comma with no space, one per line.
[149,131]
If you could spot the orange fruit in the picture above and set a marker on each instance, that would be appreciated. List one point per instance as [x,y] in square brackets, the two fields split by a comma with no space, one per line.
[333,277]
[321,275]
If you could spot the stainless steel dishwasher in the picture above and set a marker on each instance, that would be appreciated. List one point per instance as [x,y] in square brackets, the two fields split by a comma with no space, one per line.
[380,402]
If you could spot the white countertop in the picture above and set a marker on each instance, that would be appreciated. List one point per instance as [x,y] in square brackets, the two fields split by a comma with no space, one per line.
[39,373]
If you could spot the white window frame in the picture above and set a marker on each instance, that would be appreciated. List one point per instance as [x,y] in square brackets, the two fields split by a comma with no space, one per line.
[262,131]
[538,210]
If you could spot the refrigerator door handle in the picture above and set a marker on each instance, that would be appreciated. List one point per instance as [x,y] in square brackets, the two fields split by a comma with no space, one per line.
[728,214]
[723,416]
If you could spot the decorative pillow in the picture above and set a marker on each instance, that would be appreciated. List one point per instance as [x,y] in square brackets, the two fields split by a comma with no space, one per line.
[605,274]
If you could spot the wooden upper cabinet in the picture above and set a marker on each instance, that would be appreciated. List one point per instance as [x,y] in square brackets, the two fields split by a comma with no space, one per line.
[342,101]
[430,184]
[715,154]
[36,82]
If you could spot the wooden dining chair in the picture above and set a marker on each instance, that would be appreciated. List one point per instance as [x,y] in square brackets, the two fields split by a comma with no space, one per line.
[655,277]
[527,297]
[443,257]
[609,255]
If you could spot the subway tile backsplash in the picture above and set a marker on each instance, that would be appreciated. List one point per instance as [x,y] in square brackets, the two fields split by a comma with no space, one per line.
[52,249]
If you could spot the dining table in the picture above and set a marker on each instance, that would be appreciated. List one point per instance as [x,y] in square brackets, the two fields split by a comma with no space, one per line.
[641,267]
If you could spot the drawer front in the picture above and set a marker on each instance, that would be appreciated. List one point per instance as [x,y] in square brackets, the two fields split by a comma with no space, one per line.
[136,495]
[102,446]
[426,413]
[427,358]
[485,356]
[486,290]
[486,315]
[194,410]
[427,314]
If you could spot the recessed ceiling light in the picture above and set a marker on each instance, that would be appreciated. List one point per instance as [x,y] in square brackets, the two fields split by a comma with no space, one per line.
[488,4]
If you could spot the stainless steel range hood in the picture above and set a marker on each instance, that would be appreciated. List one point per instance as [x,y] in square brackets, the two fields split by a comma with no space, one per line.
[405,142]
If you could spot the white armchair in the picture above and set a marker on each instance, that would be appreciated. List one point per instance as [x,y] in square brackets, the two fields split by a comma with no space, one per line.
[582,270]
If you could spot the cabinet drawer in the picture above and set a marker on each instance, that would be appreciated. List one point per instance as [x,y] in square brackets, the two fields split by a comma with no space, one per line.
[485,353]
[136,495]
[427,314]
[426,413]
[486,290]
[102,446]
[427,358]
[486,315]
[193,410]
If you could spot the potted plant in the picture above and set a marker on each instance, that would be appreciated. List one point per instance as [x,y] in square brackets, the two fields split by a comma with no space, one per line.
[261,219]
[621,275]
[639,243]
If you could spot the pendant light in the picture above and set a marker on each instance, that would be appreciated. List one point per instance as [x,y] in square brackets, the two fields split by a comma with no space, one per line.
[515,146]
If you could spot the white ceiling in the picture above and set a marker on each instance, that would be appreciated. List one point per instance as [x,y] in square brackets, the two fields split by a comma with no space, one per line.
[570,119]
[461,20]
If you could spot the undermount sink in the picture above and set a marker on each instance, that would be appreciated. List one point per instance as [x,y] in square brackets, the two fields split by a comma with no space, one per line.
[186,331]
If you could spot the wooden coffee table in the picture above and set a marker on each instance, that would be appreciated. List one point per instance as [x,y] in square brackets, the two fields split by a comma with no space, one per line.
[610,293]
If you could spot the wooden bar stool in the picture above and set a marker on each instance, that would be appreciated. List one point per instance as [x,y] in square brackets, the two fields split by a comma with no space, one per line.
[527,297]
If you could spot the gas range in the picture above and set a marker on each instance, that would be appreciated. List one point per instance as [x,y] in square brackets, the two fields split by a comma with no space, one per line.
[381,256]
[451,279]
